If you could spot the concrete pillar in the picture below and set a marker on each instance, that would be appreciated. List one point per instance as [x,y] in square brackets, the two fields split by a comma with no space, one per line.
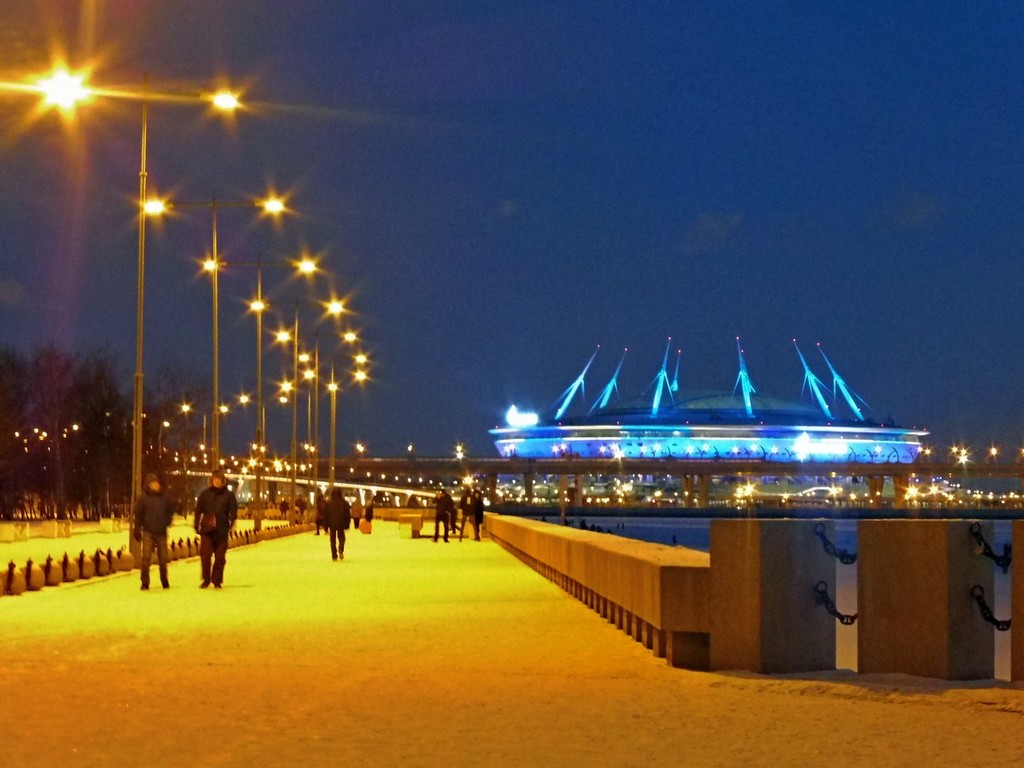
[492,488]
[563,490]
[704,492]
[1017,599]
[528,486]
[900,483]
[915,611]
[875,486]
[577,491]
[764,616]
[688,487]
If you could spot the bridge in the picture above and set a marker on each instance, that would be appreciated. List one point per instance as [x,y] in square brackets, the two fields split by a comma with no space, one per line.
[404,473]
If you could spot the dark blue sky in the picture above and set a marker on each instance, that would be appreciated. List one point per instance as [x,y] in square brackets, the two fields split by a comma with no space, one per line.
[501,186]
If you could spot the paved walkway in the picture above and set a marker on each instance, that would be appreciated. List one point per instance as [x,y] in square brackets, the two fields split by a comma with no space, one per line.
[412,653]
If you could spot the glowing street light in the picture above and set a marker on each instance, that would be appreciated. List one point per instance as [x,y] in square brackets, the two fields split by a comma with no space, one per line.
[272,205]
[63,90]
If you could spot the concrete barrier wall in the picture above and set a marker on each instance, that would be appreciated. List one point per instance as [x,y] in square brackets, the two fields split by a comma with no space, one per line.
[763,579]
[916,612]
[1017,599]
[656,594]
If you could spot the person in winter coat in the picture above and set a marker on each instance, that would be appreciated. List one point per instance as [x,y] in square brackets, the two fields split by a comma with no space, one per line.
[153,513]
[474,513]
[321,512]
[464,508]
[216,511]
[444,510]
[338,516]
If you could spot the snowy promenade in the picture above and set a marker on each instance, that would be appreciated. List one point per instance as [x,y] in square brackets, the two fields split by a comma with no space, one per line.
[410,653]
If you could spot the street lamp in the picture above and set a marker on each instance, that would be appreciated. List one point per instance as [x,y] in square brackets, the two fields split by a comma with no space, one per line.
[64,90]
[271,205]
[305,266]
[334,308]
[359,376]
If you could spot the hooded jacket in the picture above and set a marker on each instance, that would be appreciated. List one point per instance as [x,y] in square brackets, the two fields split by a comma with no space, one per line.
[153,511]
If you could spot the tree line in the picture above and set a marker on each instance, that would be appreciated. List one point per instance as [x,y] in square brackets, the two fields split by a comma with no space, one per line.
[66,433]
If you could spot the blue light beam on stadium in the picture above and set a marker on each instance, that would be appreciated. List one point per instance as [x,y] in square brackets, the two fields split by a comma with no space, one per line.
[661,382]
[743,380]
[612,387]
[675,379]
[837,381]
[812,381]
[570,393]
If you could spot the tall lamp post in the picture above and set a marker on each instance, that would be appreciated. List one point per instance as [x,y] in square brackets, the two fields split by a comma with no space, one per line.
[64,90]
[258,305]
[271,205]
[359,376]
[335,308]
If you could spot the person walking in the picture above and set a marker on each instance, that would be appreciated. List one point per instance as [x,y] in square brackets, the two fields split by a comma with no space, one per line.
[476,506]
[216,511]
[464,507]
[444,509]
[321,512]
[153,513]
[473,513]
[338,516]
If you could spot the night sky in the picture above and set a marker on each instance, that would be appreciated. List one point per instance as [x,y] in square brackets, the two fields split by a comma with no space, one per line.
[498,187]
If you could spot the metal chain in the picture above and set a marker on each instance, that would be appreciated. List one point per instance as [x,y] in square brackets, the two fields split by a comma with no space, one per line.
[844,557]
[1003,561]
[822,598]
[979,596]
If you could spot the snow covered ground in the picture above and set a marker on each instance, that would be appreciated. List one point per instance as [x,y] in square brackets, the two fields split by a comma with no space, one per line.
[410,653]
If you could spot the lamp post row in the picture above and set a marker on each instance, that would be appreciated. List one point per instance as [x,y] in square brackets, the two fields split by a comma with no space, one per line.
[64,90]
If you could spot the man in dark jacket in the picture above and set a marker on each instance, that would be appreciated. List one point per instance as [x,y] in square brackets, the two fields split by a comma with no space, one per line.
[474,513]
[153,512]
[444,510]
[338,516]
[216,510]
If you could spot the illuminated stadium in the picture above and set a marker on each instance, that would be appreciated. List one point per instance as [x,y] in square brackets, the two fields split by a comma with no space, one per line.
[834,425]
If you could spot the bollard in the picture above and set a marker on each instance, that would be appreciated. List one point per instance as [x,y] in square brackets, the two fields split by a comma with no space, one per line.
[763,613]
[69,567]
[101,562]
[54,575]
[35,579]
[1017,600]
[14,583]
[916,612]
[86,566]
[124,560]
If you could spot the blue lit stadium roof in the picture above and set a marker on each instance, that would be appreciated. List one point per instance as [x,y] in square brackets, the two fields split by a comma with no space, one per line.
[740,424]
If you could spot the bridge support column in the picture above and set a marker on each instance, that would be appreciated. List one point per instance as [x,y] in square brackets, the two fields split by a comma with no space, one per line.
[875,486]
[688,488]
[577,491]
[563,496]
[900,484]
[704,491]
[492,488]
[528,486]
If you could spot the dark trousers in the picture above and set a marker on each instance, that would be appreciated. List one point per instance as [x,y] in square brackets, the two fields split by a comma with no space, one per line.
[150,543]
[476,527]
[337,542]
[441,517]
[210,546]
